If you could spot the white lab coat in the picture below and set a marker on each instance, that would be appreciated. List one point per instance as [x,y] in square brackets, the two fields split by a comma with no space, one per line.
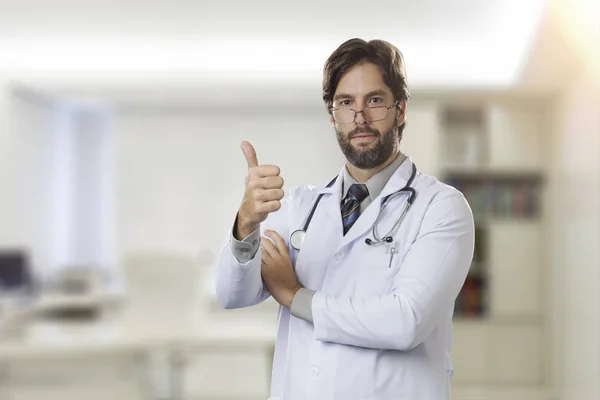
[382,319]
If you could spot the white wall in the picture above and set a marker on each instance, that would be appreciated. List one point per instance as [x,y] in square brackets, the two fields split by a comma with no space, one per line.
[57,184]
[91,235]
[576,220]
[4,134]
[181,172]
[28,186]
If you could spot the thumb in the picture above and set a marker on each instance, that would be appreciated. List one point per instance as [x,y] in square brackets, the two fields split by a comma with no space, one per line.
[250,154]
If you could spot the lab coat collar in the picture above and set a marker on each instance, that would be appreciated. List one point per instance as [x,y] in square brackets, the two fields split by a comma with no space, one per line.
[332,199]
[398,180]
[336,187]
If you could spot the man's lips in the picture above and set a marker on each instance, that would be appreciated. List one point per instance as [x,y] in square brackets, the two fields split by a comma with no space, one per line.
[362,135]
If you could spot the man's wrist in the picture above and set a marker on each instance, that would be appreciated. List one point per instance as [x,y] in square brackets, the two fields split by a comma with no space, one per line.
[290,294]
[243,228]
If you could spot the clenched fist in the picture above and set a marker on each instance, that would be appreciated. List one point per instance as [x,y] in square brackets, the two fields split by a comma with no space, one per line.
[263,194]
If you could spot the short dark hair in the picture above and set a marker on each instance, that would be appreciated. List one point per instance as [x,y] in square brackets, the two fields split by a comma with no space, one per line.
[358,51]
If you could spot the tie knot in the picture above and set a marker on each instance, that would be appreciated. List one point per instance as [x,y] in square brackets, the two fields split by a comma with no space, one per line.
[358,192]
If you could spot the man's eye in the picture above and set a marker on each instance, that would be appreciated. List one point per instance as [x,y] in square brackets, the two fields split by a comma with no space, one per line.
[376,100]
[345,103]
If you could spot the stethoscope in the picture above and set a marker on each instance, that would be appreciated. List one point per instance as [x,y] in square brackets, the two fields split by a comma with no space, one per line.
[297,237]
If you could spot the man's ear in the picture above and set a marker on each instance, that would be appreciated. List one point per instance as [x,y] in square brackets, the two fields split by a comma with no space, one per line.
[401,115]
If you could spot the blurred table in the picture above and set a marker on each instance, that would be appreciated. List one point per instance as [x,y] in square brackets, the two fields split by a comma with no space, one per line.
[17,312]
[197,364]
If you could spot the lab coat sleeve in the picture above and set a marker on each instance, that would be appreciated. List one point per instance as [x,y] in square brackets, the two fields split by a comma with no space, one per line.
[238,282]
[424,290]
[244,250]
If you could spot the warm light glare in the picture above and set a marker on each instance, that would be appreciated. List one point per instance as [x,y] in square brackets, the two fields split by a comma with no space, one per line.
[580,24]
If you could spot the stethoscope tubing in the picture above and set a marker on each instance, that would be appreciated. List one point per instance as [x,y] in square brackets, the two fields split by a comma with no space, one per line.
[299,234]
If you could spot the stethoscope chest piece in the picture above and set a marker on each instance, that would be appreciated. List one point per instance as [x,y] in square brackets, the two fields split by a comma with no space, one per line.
[297,238]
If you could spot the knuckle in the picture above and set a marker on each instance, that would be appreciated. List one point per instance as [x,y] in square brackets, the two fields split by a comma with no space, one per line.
[257,195]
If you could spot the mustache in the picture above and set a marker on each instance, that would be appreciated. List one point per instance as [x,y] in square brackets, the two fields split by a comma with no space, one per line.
[362,131]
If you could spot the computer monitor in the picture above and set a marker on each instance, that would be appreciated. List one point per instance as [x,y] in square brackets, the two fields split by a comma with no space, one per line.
[15,274]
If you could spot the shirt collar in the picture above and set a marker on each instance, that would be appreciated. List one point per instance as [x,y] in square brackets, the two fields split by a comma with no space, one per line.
[377,182]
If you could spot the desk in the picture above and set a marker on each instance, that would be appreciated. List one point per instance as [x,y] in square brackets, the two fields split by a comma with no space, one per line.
[94,370]
[191,365]
[223,361]
[16,317]
[218,359]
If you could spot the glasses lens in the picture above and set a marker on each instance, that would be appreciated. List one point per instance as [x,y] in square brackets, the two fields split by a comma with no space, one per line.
[376,113]
[343,116]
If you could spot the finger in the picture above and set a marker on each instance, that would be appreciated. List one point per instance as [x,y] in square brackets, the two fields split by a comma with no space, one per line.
[250,154]
[265,263]
[265,171]
[271,182]
[265,260]
[269,195]
[268,207]
[279,242]
[269,247]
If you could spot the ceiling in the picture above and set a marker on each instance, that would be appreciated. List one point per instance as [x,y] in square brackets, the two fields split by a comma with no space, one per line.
[458,43]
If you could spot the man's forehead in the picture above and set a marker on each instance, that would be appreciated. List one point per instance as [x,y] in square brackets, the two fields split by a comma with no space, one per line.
[362,80]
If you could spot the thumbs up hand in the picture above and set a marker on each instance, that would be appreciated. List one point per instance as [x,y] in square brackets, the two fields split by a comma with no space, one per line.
[262,196]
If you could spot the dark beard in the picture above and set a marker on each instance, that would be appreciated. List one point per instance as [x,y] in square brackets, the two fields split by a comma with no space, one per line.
[373,156]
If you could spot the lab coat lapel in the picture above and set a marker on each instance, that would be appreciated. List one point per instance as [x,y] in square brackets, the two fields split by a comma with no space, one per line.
[399,179]
[366,220]
[332,197]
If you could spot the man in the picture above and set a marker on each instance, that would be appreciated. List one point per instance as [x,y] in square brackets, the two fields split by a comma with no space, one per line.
[367,296]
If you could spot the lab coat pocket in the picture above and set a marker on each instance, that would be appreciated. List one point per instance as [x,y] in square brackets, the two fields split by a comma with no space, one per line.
[377,271]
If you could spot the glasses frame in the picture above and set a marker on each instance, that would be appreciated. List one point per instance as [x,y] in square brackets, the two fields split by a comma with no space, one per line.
[331,110]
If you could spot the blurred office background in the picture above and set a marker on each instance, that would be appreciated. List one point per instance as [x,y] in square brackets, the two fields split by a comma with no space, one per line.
[120,175]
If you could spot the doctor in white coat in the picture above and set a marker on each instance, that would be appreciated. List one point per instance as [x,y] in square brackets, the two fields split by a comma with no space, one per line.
[366,267]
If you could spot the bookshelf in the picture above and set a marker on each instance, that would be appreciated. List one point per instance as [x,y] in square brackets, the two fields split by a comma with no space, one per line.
[495,194]
[494,198]
[491,150]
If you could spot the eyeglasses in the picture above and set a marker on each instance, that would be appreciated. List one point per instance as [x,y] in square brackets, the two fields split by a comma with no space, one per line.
[348,115]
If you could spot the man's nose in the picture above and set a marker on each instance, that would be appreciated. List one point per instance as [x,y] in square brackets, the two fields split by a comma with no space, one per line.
[361,117]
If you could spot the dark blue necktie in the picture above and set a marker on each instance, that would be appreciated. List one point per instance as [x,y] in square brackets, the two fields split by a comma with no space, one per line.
[351,208]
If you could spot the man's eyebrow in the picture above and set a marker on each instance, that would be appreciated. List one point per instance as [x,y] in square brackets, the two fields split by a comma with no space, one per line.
[344,96]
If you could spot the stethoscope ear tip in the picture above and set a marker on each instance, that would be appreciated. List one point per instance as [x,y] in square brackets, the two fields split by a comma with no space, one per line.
[389,239]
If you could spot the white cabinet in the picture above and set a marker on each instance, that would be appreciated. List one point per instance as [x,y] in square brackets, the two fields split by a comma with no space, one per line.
[514,354]
[493,150]
[514,138]
[514,268]
[469,353]
[497,352]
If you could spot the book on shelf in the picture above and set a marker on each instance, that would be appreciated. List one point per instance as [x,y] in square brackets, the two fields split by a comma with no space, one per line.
[500,199]
[470,302]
